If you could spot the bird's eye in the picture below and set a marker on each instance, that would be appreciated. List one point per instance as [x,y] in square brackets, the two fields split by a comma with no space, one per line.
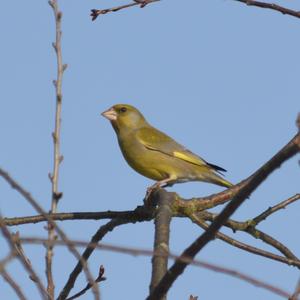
[123,109]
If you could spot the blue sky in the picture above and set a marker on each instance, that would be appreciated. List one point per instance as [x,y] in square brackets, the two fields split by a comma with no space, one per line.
[218,76]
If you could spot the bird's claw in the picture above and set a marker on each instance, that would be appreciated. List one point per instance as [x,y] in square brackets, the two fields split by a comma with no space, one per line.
[150,189]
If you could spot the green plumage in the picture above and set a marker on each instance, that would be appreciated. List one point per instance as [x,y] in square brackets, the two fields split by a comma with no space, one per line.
[154,154]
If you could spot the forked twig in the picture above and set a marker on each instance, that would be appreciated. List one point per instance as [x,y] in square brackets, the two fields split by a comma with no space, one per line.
[272,6]
[142,3]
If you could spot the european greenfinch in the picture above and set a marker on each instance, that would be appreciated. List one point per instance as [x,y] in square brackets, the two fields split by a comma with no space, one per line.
[154,154]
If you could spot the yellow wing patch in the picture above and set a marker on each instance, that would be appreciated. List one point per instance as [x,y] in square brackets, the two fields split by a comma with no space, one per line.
[166,145]
[189,157]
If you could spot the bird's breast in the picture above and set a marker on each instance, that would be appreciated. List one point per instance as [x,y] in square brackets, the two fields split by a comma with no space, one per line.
[141,159]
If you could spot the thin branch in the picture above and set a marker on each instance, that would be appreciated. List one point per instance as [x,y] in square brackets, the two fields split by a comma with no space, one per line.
[255,221]
[297,292]
[142,3]
[161,236]
[248,228]
[20,252]
[202,203]
[15,248]
[251,184]
[15,185]
[101,232]
[187,207]
[180,207]
[129,214]
[56,195]
[13,284]
[233,242]
[298,121]
[9,257]
[145,252]
[88,286]
[140,214]
[281,9]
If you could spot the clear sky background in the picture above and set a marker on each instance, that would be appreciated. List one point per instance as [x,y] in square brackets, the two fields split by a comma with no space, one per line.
[218,76]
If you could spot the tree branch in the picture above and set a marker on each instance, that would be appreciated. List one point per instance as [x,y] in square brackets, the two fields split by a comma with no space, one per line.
[296,292]
[13,284]
[294,261]
[88,286]
[142,3]
[247,227]
[15,185]
[139,212]
[145,252]
[281,9]
[17,250]
[263,216]
[56,195]
[97,12]
[101,232]
[162,235]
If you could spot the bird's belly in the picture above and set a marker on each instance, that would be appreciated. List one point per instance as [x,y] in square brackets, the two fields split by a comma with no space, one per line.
[146,162]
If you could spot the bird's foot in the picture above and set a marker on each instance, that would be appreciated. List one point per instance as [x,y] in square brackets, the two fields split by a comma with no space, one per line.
[150,190]
[163,183]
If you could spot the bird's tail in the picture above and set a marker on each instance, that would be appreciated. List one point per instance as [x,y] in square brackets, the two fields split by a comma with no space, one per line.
[217,179]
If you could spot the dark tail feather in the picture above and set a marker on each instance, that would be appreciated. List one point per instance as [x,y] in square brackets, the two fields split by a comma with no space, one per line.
[217,168]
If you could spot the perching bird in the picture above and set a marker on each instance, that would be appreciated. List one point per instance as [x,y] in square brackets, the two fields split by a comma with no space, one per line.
[154,154]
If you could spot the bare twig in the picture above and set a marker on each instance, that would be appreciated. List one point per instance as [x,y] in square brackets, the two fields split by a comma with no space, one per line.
[273,209]
[294,261]
[281,9]
[188,207]
[13,284]
[56,195]
[179,207]
[298,121]
[296,294]
[9,257]
[142,3]
[86,254]
[249,228]
[251,184]
[145,252]
[20,252]
[88,286]
[15,185]
[137,251]
[161,238]
[140,212]
[15,248]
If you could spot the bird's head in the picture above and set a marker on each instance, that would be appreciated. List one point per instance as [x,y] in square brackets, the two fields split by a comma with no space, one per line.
[124,116]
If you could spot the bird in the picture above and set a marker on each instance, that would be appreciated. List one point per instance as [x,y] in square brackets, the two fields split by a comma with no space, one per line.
[156,155]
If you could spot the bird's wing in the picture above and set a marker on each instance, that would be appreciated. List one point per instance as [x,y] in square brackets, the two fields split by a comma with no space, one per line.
[156,140]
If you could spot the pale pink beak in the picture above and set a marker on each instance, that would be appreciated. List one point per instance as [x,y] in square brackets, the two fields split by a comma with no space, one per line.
[110,114]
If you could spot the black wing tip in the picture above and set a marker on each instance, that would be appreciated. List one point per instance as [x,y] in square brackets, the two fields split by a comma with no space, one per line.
[217,168]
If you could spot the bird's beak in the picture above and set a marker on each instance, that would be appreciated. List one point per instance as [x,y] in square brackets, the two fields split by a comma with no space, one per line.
[110,114]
